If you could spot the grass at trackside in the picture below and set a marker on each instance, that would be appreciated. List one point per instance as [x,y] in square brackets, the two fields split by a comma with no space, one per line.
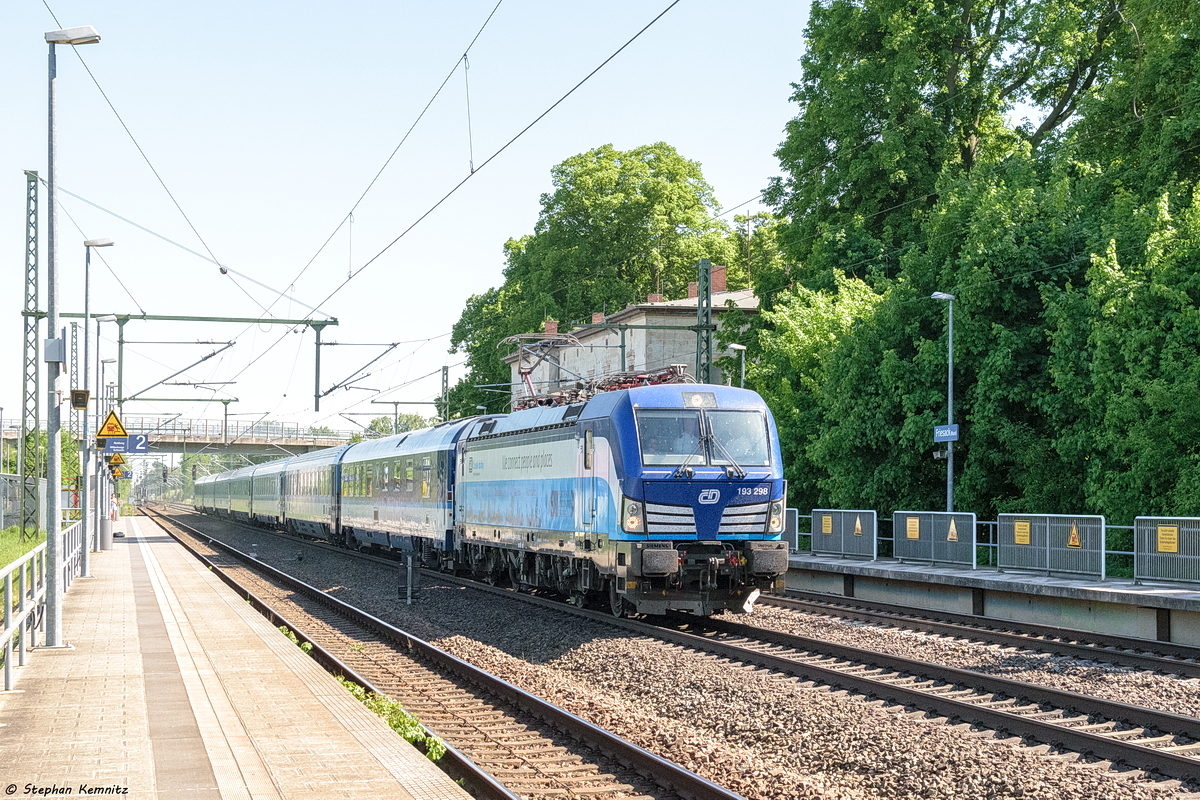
[11,546]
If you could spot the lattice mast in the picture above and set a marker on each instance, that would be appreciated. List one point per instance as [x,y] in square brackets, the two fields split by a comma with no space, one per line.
[29,461]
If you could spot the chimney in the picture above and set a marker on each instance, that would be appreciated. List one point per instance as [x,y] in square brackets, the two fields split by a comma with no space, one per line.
[693,290]
[551,327]
[718,279]
[598,318]
[654,298]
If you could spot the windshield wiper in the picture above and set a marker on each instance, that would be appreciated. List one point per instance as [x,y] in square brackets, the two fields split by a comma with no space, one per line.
[741,473]
[687,461]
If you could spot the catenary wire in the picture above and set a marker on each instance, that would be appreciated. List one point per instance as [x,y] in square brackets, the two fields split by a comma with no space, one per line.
[403,139]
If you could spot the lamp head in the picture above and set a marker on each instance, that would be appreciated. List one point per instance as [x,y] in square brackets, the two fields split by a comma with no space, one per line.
[108,361]
[941,296]
[98,243]
[106,318]
[737,347]
[83,35]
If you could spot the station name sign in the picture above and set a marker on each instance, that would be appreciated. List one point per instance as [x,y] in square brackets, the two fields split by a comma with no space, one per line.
[945,433]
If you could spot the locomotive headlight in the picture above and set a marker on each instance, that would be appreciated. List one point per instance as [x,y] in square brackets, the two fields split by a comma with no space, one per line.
[775,518]
[631,517]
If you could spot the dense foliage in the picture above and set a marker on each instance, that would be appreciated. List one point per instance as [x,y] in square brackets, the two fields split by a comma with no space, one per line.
[1037,159]
[1069,241]
[618,226]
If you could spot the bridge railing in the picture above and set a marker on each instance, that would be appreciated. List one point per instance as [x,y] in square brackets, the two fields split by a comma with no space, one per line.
[234,429]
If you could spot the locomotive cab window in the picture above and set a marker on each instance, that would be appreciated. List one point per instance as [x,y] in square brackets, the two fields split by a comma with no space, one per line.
[670,436]
[739,437]
[675,437]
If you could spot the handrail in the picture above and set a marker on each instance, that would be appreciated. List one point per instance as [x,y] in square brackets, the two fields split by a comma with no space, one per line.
[24,608]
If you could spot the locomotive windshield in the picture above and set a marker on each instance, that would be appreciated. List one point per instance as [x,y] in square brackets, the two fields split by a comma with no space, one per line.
[741,436]
[674,437]
[669,436]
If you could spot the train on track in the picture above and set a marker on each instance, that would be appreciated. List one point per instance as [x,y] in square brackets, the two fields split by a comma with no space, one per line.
[649,499]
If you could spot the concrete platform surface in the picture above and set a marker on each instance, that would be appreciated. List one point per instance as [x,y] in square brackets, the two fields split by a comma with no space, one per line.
[173,687]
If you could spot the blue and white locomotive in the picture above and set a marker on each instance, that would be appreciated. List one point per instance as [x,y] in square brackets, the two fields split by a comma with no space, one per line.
[655,498]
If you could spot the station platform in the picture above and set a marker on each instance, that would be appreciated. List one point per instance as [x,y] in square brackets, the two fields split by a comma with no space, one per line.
[171,686]
[1148,610]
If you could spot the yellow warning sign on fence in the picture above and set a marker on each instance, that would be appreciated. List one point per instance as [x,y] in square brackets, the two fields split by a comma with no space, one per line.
[1073,539]
[1168,538]
[116,459]
[952,536]
[826,523]
[112,427]
[1021,531]
[912,527]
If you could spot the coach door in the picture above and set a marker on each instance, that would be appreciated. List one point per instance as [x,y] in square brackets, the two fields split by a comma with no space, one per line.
[587,479]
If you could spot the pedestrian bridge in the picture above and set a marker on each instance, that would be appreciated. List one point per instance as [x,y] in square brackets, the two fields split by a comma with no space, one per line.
[178,435]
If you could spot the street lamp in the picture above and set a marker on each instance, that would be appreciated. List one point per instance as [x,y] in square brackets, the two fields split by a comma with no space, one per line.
[949,298]
[89,533]
[741,349]
[55,355]
[101,408]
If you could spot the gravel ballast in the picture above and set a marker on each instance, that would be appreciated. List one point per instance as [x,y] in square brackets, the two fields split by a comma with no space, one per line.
[758,733]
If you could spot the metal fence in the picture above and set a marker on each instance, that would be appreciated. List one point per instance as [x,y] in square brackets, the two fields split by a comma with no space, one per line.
[845,533]
[10,501]
[934,536]
[1166,548]
[1052,543]
[24,597]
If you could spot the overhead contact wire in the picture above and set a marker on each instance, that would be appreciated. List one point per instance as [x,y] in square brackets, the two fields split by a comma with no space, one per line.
[496,154]
[407,133]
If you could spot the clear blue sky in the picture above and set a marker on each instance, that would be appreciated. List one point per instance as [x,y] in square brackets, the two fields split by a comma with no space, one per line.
[267,121]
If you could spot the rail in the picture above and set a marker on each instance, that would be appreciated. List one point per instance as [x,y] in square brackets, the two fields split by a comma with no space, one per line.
[25,602]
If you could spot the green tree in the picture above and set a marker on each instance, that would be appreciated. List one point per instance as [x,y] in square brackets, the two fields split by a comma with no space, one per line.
[618,226]
[386,426]
[896,95]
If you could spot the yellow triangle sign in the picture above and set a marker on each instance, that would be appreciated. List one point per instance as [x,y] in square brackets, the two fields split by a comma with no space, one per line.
[112,427]
[858,526]
[953,535]
[1073,539]
[118,472]
[117,458]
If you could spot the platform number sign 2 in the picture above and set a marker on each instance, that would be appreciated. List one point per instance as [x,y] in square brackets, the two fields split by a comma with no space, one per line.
[139,443]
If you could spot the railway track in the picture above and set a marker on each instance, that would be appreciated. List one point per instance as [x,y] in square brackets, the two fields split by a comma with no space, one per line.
[1139,654]
[506,742]
[1114,734]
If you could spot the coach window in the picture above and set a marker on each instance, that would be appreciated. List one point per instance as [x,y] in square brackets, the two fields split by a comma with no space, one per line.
[387,476]
[426,476]
[408,475]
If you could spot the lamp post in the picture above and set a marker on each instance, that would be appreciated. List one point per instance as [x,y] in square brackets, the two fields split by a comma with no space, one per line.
[88,466]
[949,298]
[55,355]
[101,410]
[741,349]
